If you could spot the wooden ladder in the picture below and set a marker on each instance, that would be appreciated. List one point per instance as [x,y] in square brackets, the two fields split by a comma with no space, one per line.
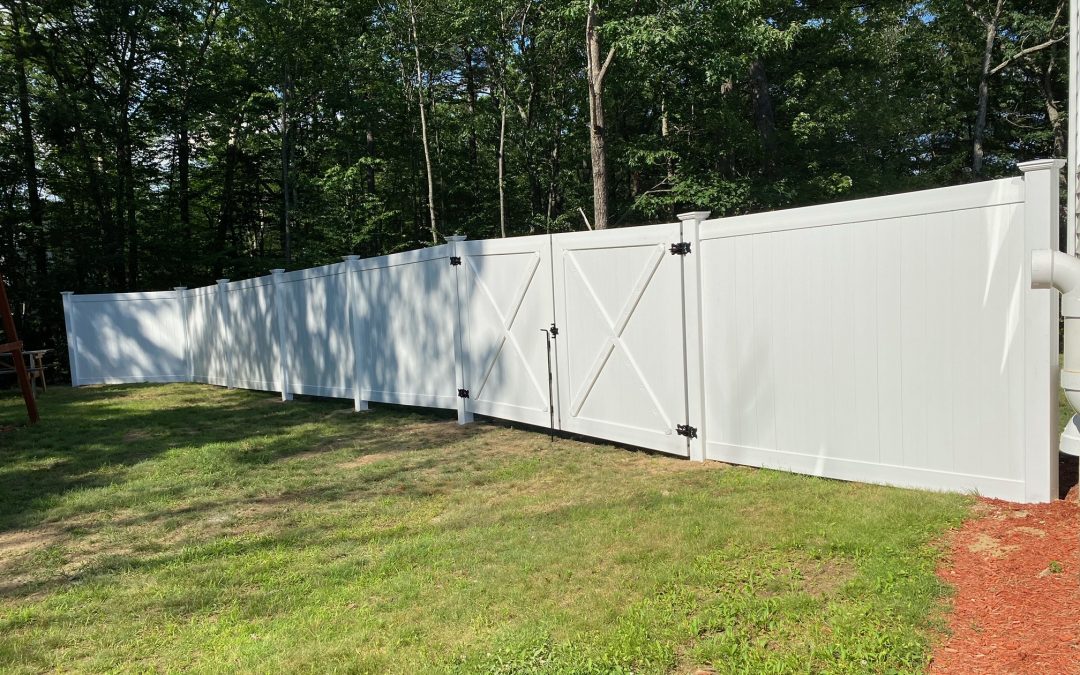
[14,347]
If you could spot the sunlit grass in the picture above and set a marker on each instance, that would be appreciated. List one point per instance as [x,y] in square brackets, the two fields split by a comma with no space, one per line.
[186,527]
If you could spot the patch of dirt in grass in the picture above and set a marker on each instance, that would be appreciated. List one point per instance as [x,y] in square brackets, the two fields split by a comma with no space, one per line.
[19,542]
[823,578]
[136,435]
[364,460]
[1016,572]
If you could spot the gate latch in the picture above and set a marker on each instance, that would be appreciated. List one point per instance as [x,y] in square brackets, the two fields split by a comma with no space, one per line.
[680,248]
[686,430]
[463,393]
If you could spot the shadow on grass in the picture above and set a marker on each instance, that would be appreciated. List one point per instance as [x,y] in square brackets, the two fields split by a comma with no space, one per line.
[90,438]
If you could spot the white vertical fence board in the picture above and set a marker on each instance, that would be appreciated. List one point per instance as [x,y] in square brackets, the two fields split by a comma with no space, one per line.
[761,342]
[843,408]
[914,357]
[862,290]
[890,449]
[970,268]
[941,238]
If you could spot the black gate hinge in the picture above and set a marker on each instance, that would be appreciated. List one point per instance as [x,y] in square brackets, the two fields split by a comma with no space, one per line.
[463,393]
[686,430]
[681,248]
[455,260]
[554,330]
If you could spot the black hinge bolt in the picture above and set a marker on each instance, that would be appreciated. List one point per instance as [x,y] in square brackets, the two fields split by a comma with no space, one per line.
[455,260]
[554,330]
[463,393]
[681,248]
[686,430]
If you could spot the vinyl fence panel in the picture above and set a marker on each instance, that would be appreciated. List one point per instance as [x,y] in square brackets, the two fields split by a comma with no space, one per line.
[318,344]
[128,337]
[207,336]
[506,302]
[880,340]
[407,315]
[253,334]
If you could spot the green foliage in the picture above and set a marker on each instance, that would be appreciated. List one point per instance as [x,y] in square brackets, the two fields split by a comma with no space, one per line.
[187,527]
[160,128]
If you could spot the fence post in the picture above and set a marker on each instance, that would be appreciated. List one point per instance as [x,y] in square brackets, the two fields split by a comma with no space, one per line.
[1041,316]
[72,335]
[279,314]
[181,300]
[464,414]
[693,360]
[223,325]
[355,326]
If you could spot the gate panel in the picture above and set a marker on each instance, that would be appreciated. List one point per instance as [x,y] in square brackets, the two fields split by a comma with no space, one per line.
[507,300]
[620,346]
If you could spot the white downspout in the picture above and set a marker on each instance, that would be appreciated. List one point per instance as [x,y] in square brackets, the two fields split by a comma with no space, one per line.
[1061,271]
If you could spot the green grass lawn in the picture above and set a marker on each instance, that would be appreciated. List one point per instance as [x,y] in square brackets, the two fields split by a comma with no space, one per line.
[187,527]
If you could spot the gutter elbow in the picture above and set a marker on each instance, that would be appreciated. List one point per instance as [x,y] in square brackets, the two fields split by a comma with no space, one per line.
[1061,271]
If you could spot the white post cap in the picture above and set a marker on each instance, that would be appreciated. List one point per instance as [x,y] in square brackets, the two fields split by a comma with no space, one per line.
[455,237]
[67,292]
[694,215]
[350,258]
[277,270]
[179,288]
[222,281]
[1041,165]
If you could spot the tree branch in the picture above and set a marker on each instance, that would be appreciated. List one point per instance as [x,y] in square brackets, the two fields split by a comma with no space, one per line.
[604,68]
[1026,52]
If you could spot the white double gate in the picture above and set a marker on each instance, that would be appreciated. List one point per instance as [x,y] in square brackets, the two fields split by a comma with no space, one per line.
[891,340]
[617,352]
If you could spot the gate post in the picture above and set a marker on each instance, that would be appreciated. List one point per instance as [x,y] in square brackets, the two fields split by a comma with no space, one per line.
[279,314]
[1041,316]
[223,324]
[464,414]
[355,327]
[181,300]
[72,335]
[692,333]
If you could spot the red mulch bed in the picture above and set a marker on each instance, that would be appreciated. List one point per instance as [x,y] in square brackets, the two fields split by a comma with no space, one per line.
[1016,571]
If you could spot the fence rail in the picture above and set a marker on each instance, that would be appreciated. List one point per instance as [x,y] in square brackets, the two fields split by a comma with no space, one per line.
[890,340]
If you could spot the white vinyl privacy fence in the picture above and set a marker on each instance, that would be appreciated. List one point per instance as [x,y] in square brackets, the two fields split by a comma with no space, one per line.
[890,340]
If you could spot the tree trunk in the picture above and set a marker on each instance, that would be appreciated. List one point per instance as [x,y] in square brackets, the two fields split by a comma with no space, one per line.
[1053,113]
[978,153]
[183,159]
[470,90]
[127,169]
[286,230]
[596,72]
[232,156]
[28,152]
[423,128]
[502,167]
[370,139]
[764,117]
